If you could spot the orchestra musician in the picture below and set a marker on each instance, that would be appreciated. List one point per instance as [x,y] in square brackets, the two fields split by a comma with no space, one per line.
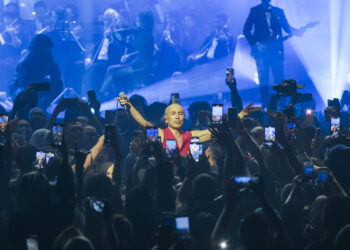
[42,18]
[13,39]
[168,54]
[107,52]
[137,60]
[218,44]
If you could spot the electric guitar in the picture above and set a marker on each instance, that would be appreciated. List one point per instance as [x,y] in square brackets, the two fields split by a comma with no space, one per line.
[275,45]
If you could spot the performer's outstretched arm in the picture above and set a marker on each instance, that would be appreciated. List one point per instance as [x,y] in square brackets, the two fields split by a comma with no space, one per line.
[134,113]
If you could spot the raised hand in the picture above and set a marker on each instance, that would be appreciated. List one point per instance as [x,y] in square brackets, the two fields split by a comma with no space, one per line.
[248,110]
[278,117]
[124,101]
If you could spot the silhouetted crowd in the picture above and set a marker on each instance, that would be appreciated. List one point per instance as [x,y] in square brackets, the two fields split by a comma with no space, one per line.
[273,179]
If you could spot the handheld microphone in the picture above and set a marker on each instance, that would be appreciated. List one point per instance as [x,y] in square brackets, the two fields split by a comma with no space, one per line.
[122,97]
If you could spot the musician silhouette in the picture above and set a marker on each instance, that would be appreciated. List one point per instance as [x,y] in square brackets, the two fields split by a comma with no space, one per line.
[136,63]
[105,53]
[218,44]
[267,43]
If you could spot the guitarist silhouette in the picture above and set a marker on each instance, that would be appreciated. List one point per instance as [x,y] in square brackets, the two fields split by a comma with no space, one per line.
[266,41]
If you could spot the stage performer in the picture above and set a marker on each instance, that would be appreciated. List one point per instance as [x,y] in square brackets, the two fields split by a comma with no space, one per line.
[175,117]
[267,43]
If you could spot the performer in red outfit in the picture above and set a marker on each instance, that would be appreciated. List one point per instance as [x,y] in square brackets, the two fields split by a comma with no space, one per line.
[174,117]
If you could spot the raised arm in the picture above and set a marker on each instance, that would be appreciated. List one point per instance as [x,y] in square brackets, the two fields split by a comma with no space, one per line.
[204,135]
[134,113]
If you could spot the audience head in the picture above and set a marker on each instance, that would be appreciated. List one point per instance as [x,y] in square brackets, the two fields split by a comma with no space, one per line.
[155,112]
[73,133]
[33,192]
[123,230]
[23,131]
[37,118]
[258,133]
[215,154]
[139,103]
[25,157]
[342,241]
[78,242]
[90,137]
[337,161]
[204,190]
[201,228]
[99,186]
[195,108]
[336,214]
[67,234]
[41,45]
[254,232]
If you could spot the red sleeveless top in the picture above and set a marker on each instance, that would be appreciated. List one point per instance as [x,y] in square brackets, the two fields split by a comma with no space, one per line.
[186,140]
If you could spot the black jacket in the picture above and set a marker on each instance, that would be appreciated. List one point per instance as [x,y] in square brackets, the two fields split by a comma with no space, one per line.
[257,18]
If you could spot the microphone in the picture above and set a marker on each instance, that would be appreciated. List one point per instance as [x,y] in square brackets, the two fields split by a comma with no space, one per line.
[122,96]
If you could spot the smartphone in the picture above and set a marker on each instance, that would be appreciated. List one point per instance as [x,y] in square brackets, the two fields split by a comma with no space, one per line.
[57,134]
[40,160]
[308,169]
[232,117]
[270,135]
[230,72]
[91,96]
[71,101]
[32,242]
[175,98]
[49,156]
[291,126]
[96,205]
[182,225]
[322,175]
[196,150]
[3,123]
[45,86]
[4,118]
[109,116]
[152,134]
[245,180]
[109,132]
[170,148]
[217,112]
[335,124]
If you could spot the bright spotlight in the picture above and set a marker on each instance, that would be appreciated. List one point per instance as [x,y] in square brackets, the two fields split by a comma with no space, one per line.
[223,245]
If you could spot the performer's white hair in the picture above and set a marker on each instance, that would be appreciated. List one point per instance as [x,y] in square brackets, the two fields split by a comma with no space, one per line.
[111,13]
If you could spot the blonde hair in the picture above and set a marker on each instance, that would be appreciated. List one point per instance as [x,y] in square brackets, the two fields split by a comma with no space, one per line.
[111,13]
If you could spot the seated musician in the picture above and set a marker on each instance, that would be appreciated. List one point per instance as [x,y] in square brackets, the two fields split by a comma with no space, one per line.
[138,57]
[218,44]
[107,52]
